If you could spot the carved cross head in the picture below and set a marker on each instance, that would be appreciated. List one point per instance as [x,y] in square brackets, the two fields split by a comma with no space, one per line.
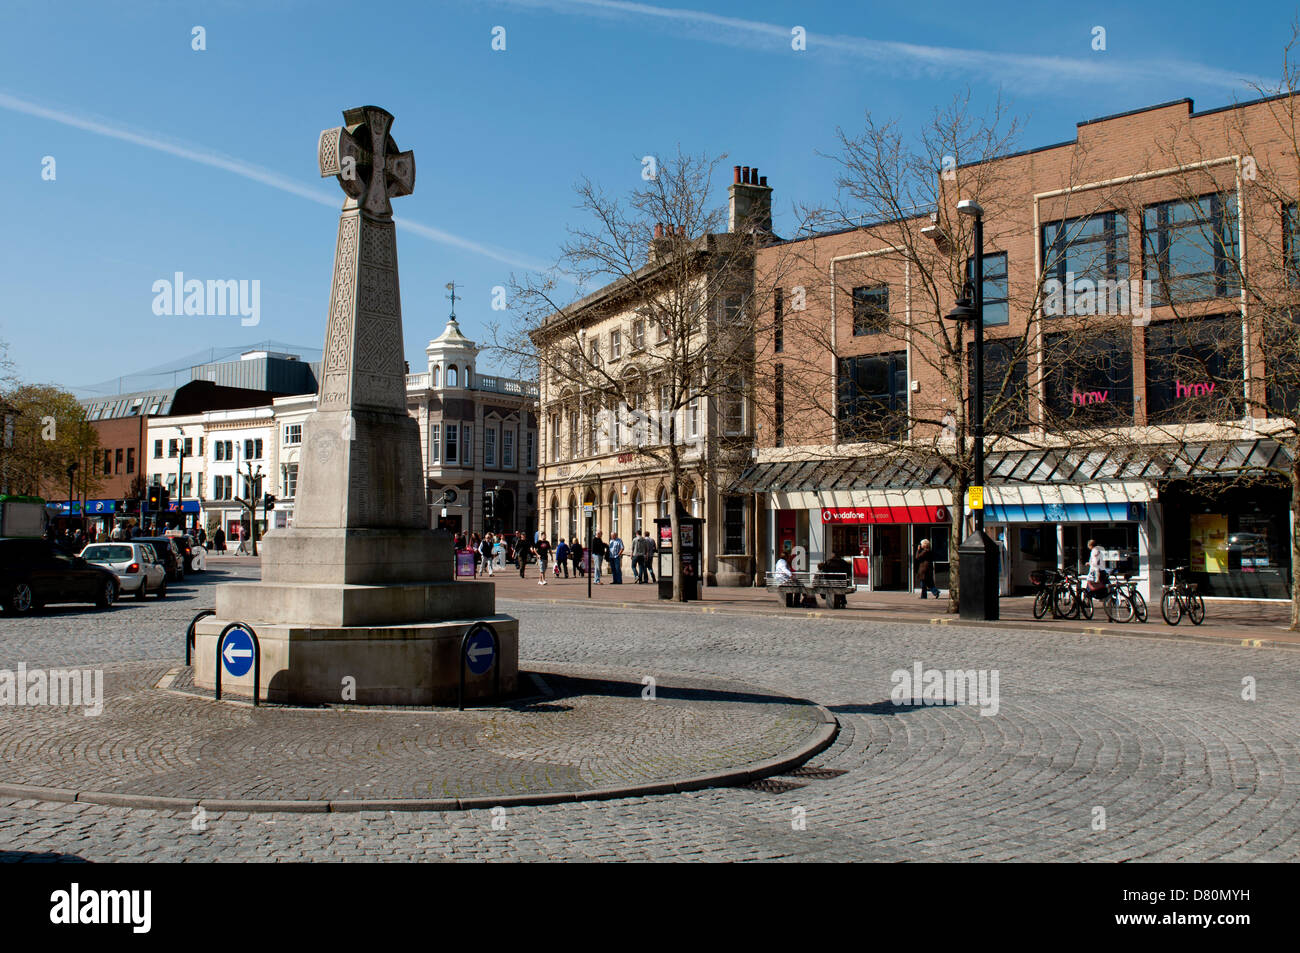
[365,159]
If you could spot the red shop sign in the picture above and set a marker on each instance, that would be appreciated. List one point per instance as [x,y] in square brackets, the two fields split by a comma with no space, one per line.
[884,514]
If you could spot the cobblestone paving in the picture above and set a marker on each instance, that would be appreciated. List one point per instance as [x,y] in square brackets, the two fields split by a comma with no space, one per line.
[588,733]
[1154,733]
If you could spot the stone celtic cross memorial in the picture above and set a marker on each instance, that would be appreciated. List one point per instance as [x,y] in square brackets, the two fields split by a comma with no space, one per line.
[360,587]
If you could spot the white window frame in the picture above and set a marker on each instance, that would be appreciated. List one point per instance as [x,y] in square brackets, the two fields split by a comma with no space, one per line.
[508,448]
[435,442]
[490,447]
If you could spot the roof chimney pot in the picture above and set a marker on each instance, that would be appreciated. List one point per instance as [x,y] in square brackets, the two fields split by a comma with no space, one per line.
[744,174]
[735,169]
[763,181]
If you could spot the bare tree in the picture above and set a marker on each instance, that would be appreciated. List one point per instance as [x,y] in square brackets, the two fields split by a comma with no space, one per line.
[674,279]
[1222,246]
[899,198]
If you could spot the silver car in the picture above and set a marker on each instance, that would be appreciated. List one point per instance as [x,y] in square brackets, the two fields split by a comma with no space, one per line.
[137,566]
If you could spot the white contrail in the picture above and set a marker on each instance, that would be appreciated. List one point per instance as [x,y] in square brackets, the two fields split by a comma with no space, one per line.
[1028,69]
[248,171]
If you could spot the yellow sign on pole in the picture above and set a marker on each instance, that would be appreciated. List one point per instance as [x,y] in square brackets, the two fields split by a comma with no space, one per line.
[977,497]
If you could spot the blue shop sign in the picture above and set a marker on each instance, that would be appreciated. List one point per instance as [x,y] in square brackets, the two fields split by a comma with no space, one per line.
[1121,512]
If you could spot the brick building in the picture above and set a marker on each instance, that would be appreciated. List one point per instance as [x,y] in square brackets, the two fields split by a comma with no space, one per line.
[1104,433]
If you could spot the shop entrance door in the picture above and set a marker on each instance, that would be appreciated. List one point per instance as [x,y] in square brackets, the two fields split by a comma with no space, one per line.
[889,557]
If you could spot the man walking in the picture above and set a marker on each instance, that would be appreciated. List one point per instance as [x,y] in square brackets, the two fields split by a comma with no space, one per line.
[485,553]
[562,558]
[638,559]
[522,549]
[597,556]
[543,556]
[651,551]
[616,558]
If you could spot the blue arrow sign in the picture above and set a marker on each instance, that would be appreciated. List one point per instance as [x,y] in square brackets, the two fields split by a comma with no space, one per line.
[237,652]
[481,650]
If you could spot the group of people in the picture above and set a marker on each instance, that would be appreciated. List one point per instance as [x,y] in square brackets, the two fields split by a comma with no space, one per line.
[493,552]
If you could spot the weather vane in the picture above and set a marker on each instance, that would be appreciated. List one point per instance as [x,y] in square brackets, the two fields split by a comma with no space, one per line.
[451,286]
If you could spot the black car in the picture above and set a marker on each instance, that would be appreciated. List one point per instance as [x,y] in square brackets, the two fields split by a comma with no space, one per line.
[187,545]
[34,573]
[166,547]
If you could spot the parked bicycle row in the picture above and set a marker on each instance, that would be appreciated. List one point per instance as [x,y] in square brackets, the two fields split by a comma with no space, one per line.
[1067,594]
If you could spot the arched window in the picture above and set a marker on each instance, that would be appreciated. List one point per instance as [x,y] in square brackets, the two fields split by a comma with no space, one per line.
[613,513]
[555,519]
[433,375]
[663,502]
[451,376]
[638,513]
[468,372]
[573,517]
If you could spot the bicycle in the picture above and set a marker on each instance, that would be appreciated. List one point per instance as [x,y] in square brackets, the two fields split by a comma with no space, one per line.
[1179,598]
[1134,596]
[1047,581]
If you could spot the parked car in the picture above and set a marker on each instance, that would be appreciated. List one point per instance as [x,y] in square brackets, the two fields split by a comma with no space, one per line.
[171,554]
[196,557]
[33,573]
[138,566]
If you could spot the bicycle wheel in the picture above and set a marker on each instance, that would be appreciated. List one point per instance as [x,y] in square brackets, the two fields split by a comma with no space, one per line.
[1085,605]
[1196,608]
[1118,607]
[1066,602]
[1042,602]
[1139,605]
[1171,608]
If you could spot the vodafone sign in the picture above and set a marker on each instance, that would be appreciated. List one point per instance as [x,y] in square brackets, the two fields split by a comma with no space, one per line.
[884,514]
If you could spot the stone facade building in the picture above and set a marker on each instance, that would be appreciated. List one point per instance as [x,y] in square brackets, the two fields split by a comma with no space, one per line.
[479,438]
[611,453]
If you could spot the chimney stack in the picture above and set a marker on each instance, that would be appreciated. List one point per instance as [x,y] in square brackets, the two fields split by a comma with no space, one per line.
[751,201]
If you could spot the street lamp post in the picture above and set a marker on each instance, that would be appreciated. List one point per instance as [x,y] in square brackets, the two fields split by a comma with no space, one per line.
[180,480]
[72,468]
[978,574]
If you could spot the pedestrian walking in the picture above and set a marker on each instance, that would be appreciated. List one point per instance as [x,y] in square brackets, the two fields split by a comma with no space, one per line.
[562,558]
[598,551]
[543,557]
[575,553]
[925,569]
[638,561]
[651,554]
[522,551]
[485,551]
[616,559]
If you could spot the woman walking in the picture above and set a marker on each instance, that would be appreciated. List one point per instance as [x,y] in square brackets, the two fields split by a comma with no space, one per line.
[925,569]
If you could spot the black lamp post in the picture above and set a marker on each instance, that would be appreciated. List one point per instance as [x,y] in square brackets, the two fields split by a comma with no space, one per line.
[72,468]
[978,574]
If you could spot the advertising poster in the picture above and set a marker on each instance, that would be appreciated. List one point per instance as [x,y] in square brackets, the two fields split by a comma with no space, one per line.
[1209,542]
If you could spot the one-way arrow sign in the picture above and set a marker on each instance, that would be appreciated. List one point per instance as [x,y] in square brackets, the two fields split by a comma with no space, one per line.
[237,652]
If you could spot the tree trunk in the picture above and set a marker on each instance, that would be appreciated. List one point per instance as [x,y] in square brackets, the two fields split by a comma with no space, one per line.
[957,534]
[1295,536]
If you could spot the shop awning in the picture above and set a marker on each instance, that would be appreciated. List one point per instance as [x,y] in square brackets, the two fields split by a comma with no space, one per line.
[1059,466]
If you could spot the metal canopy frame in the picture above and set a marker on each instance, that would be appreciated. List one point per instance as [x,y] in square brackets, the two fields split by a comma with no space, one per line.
[1056,465]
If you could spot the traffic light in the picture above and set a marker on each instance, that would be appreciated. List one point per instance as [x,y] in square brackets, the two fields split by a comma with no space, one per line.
[153,499]
[165,503]
[268,503]
[489,504]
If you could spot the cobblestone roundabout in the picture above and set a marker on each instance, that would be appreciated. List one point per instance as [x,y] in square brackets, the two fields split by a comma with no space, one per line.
[1154,734]
[585,733]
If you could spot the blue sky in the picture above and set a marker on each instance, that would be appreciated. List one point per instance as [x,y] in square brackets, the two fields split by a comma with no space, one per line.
[170,159]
